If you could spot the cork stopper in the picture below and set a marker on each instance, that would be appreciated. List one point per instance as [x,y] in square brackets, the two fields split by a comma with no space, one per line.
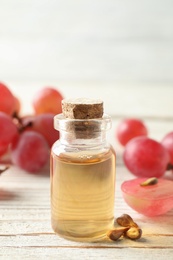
[82,108]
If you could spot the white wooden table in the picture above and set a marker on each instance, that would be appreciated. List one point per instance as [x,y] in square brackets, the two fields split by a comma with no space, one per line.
[25,230]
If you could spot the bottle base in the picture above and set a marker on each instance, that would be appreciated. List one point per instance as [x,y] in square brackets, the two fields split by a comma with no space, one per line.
[81,232]
[95,239]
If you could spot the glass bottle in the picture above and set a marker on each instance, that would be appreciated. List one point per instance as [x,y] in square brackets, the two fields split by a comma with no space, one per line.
[82,179]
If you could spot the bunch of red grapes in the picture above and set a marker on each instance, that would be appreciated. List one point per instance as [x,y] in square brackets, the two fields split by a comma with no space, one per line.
[149,193]
[27,139]
[143,156]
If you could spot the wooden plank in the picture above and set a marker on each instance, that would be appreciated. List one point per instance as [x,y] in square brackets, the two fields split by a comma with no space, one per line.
[85,253]
[47,239]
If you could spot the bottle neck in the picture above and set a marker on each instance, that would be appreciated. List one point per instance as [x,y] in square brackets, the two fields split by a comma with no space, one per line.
[82,132]
[79,139]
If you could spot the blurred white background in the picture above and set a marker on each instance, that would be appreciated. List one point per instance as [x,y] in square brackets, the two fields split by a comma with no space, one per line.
[105,44]
[124,41]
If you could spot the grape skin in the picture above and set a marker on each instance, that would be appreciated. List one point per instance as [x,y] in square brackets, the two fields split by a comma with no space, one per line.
[17,105]
[30,152]
[130,128]
[145,157]
[43,124]
[3,149]
[47,100]
[167,142]
[7,100]
[8,130]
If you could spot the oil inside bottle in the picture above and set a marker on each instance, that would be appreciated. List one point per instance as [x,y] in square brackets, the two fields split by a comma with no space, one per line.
[82,194]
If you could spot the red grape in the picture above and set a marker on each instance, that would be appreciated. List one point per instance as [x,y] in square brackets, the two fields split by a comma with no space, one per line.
[7,101]
[130,128]
[17,105]
[8,130]
[145,157]
[3,149]
[167,142]
[43,124]
[149,200]
[47,100]
[30,152]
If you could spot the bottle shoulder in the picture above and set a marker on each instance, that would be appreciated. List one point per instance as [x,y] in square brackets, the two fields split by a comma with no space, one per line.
[79,154]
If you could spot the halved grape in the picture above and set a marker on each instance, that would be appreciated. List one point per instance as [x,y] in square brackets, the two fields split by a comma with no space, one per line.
[130,128]
[151,200]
